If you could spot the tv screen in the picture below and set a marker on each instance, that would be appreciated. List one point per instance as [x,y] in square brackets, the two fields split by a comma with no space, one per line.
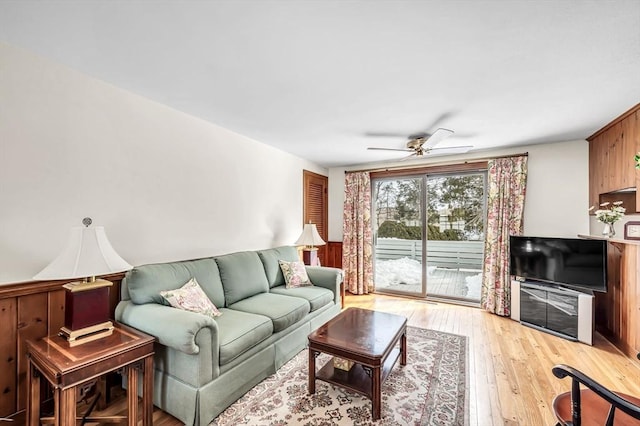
[571,262]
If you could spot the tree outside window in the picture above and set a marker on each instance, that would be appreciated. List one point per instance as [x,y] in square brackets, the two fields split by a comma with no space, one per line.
[455,208]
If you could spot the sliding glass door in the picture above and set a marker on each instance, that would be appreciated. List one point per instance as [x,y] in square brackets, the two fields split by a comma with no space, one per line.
[429,235]
[398,235]
[455,248]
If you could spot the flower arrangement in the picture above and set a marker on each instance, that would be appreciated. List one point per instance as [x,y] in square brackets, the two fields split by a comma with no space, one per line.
[609,215]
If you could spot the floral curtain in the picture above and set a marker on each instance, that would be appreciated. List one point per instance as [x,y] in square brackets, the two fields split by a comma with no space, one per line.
[357,245]
[507,179]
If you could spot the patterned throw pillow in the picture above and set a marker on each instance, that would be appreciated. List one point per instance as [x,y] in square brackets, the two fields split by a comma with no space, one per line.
[191,297]
[295,274]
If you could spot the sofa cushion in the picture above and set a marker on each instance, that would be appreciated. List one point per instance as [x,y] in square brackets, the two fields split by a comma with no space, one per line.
[270,258]
[147,281]
[242,276]
[283,310]
[316,296]
[190,297]
[240,331]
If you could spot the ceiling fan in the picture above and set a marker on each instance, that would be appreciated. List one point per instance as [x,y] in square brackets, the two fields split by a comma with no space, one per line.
[421,144]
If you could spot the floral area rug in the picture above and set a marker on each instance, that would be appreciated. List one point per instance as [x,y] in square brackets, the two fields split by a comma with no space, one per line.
[430,390]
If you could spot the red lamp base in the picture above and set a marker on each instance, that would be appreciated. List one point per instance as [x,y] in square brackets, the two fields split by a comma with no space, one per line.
[310,256]
[86,315]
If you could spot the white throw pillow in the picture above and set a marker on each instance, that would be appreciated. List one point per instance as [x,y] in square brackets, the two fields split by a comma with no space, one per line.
[191,297]
[295,274]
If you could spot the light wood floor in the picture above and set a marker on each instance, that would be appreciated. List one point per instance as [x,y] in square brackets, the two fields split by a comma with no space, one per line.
[510,379]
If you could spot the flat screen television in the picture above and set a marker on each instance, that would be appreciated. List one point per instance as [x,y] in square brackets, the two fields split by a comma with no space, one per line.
[569,262]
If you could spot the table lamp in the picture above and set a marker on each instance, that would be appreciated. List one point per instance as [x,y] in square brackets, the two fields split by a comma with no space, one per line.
[310,238]
[88,254]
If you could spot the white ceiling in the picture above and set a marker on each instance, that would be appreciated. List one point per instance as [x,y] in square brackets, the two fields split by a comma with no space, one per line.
[313,77]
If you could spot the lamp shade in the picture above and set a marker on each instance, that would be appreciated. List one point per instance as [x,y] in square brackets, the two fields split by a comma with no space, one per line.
[310,236]
[88,253]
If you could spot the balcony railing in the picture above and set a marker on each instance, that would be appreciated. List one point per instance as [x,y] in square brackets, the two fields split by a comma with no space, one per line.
[442,254]
[453,269]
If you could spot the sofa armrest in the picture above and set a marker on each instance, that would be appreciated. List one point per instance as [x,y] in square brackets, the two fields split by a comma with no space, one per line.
[172,327]
[326,277]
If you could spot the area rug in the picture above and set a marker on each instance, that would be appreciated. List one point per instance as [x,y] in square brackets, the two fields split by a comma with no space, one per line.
[430,390]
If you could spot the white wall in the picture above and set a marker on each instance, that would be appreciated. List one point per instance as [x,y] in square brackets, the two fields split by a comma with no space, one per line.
[336,203]
[165,185]
[557,198]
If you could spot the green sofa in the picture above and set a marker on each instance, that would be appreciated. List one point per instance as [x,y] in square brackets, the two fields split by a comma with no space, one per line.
[202,364]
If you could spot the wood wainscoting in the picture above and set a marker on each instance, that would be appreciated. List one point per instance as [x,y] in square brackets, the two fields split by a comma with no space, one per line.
[334,254]
[30,311]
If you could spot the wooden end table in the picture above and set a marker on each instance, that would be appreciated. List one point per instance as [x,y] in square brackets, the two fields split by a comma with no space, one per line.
[367,338]
[68,369]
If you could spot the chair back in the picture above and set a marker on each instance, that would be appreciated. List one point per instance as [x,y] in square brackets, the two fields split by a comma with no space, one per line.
[594,404]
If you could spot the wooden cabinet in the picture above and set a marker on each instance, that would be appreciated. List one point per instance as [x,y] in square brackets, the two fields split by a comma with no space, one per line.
[611,161]
[617,312]
[613,177]
[597,165]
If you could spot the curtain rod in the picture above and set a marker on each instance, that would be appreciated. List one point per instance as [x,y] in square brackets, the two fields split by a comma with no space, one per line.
[442,163]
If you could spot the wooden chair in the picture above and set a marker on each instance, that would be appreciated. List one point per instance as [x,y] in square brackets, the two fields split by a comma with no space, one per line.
[593,405]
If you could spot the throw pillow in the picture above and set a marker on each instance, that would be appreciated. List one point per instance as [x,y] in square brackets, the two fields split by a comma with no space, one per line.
[295,274]
[191,297]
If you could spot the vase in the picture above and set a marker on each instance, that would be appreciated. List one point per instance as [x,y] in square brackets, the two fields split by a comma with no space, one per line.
[608,230]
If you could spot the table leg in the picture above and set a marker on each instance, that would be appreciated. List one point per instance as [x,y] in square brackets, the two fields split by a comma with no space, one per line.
[33,393]
[403,348]
[67,407]
[376,397]
[312,371]
[102,389]
[147,392]
[132,395]
[56,406]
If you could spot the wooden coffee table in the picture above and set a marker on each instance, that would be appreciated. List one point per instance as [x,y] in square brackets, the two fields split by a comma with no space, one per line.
[370,340]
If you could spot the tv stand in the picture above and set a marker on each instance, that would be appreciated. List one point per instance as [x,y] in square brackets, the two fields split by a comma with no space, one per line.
[557,310]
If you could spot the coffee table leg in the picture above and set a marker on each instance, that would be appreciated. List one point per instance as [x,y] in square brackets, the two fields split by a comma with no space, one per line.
[312,371]
[403,348]
[376,397]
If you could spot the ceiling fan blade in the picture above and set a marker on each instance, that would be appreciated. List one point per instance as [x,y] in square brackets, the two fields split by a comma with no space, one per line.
[388,149]
[437,137]
[449,150]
